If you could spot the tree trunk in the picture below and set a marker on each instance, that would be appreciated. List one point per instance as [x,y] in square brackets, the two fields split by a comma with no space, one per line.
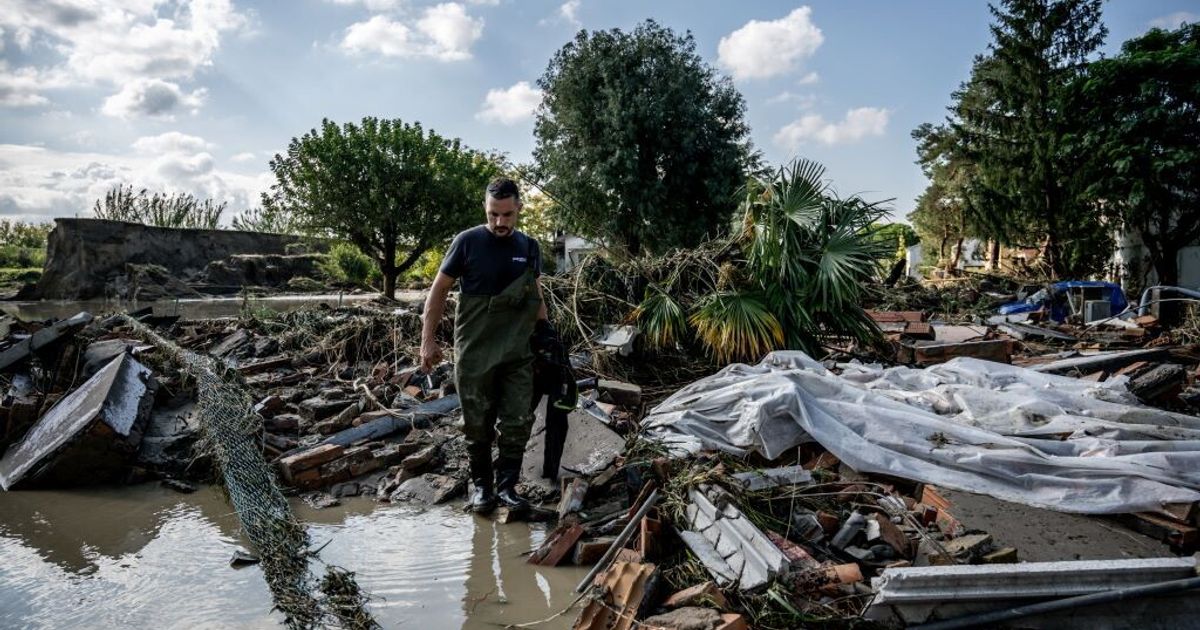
[387,262]
[994,255]
[389,282]
[1165,259]
[957,255]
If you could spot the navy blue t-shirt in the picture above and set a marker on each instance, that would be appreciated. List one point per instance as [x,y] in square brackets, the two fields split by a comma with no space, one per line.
[484,264]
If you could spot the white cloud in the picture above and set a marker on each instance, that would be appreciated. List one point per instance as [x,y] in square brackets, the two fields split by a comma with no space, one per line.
[804,101]
[38,183]
[484,3]
[376,5]
[511,105]
[444,32]
[570,12]
[766,49]
[83,138]
[380,35]
[453,31]
[245,156]
[154,98]
[857,124]
[119,41]
[809,79]
[171,142]
[1174,20]
[23,87]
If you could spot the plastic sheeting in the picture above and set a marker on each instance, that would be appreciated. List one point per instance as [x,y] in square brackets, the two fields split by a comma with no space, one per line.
[967,424]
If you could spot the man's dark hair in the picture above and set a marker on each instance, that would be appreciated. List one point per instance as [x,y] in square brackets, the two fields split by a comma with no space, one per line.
[503,188]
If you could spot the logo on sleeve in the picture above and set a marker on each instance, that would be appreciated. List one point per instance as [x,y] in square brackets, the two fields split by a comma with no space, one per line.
[520,259]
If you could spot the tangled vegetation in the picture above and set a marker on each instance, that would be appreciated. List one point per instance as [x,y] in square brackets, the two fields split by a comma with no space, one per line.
[797,273]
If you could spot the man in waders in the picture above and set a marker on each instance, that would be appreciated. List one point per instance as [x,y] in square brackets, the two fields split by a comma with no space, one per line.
[499,307]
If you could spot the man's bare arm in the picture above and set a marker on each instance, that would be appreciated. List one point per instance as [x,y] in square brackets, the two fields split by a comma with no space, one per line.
[435,307]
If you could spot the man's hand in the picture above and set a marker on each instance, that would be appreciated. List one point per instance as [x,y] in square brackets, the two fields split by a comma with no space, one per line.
[431,355]
[435,306]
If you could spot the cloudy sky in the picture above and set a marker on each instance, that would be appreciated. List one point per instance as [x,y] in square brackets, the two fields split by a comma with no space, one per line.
[197,95]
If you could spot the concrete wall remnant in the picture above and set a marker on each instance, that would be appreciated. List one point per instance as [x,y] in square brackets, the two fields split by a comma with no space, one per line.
[85,258]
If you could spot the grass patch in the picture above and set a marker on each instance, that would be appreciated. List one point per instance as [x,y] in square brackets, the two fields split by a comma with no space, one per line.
[19,274]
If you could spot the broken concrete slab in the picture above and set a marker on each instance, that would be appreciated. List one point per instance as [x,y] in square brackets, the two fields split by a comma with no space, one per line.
[428,489]
[685,618]
[1101,361]
[756,480]
[1022,331]
[42,338]
[746,551]
[99,353]
[590,448]
[90,435]
[913,595]
[703,593]
[618,393]
[954,334]
[618,339]
[169,439]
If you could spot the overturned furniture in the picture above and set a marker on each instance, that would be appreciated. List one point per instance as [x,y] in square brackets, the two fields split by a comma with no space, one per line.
[90,435]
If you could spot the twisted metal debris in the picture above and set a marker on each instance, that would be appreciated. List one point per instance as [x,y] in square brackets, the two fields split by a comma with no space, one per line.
[231,429]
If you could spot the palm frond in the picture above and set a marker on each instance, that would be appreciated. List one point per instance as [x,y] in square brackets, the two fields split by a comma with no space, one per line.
[736,326]
[661,318]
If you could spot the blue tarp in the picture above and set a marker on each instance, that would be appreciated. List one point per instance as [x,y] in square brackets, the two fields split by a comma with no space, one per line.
[1058,308]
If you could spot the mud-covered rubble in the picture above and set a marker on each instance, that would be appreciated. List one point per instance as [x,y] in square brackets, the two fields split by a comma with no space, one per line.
[706,539]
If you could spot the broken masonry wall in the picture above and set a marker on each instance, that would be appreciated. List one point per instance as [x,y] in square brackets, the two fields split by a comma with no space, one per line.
[90,435]
[85,255]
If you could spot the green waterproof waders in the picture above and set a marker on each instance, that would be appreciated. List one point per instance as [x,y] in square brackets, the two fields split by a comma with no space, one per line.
[494,373]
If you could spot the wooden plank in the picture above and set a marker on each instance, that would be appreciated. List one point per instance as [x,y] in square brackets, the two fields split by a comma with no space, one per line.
[998,350]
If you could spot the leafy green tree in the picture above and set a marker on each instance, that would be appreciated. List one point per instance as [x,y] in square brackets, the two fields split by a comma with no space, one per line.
[641,142]
[22,234]
[1140,136]
[171,210]
[23,245]
[897,235]
[383,185]
[1012,119]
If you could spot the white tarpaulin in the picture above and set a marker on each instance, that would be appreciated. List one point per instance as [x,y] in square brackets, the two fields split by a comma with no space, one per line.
[1015,434]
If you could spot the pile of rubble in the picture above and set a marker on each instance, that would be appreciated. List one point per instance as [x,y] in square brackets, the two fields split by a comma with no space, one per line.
[791,492]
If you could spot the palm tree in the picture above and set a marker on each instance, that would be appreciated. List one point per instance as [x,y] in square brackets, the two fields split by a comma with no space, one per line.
[809,258]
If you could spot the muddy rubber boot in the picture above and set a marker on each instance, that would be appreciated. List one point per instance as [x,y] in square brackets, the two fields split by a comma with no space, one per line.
[507,475]
[483,498]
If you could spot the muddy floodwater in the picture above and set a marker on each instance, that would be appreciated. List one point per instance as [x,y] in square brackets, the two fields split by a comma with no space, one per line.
[147,557]
[200,308]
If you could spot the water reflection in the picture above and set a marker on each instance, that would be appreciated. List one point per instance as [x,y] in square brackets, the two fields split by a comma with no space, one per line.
[144,556]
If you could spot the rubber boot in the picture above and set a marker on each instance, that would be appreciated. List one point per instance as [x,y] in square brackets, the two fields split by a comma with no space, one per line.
[508,473]
[483,497]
